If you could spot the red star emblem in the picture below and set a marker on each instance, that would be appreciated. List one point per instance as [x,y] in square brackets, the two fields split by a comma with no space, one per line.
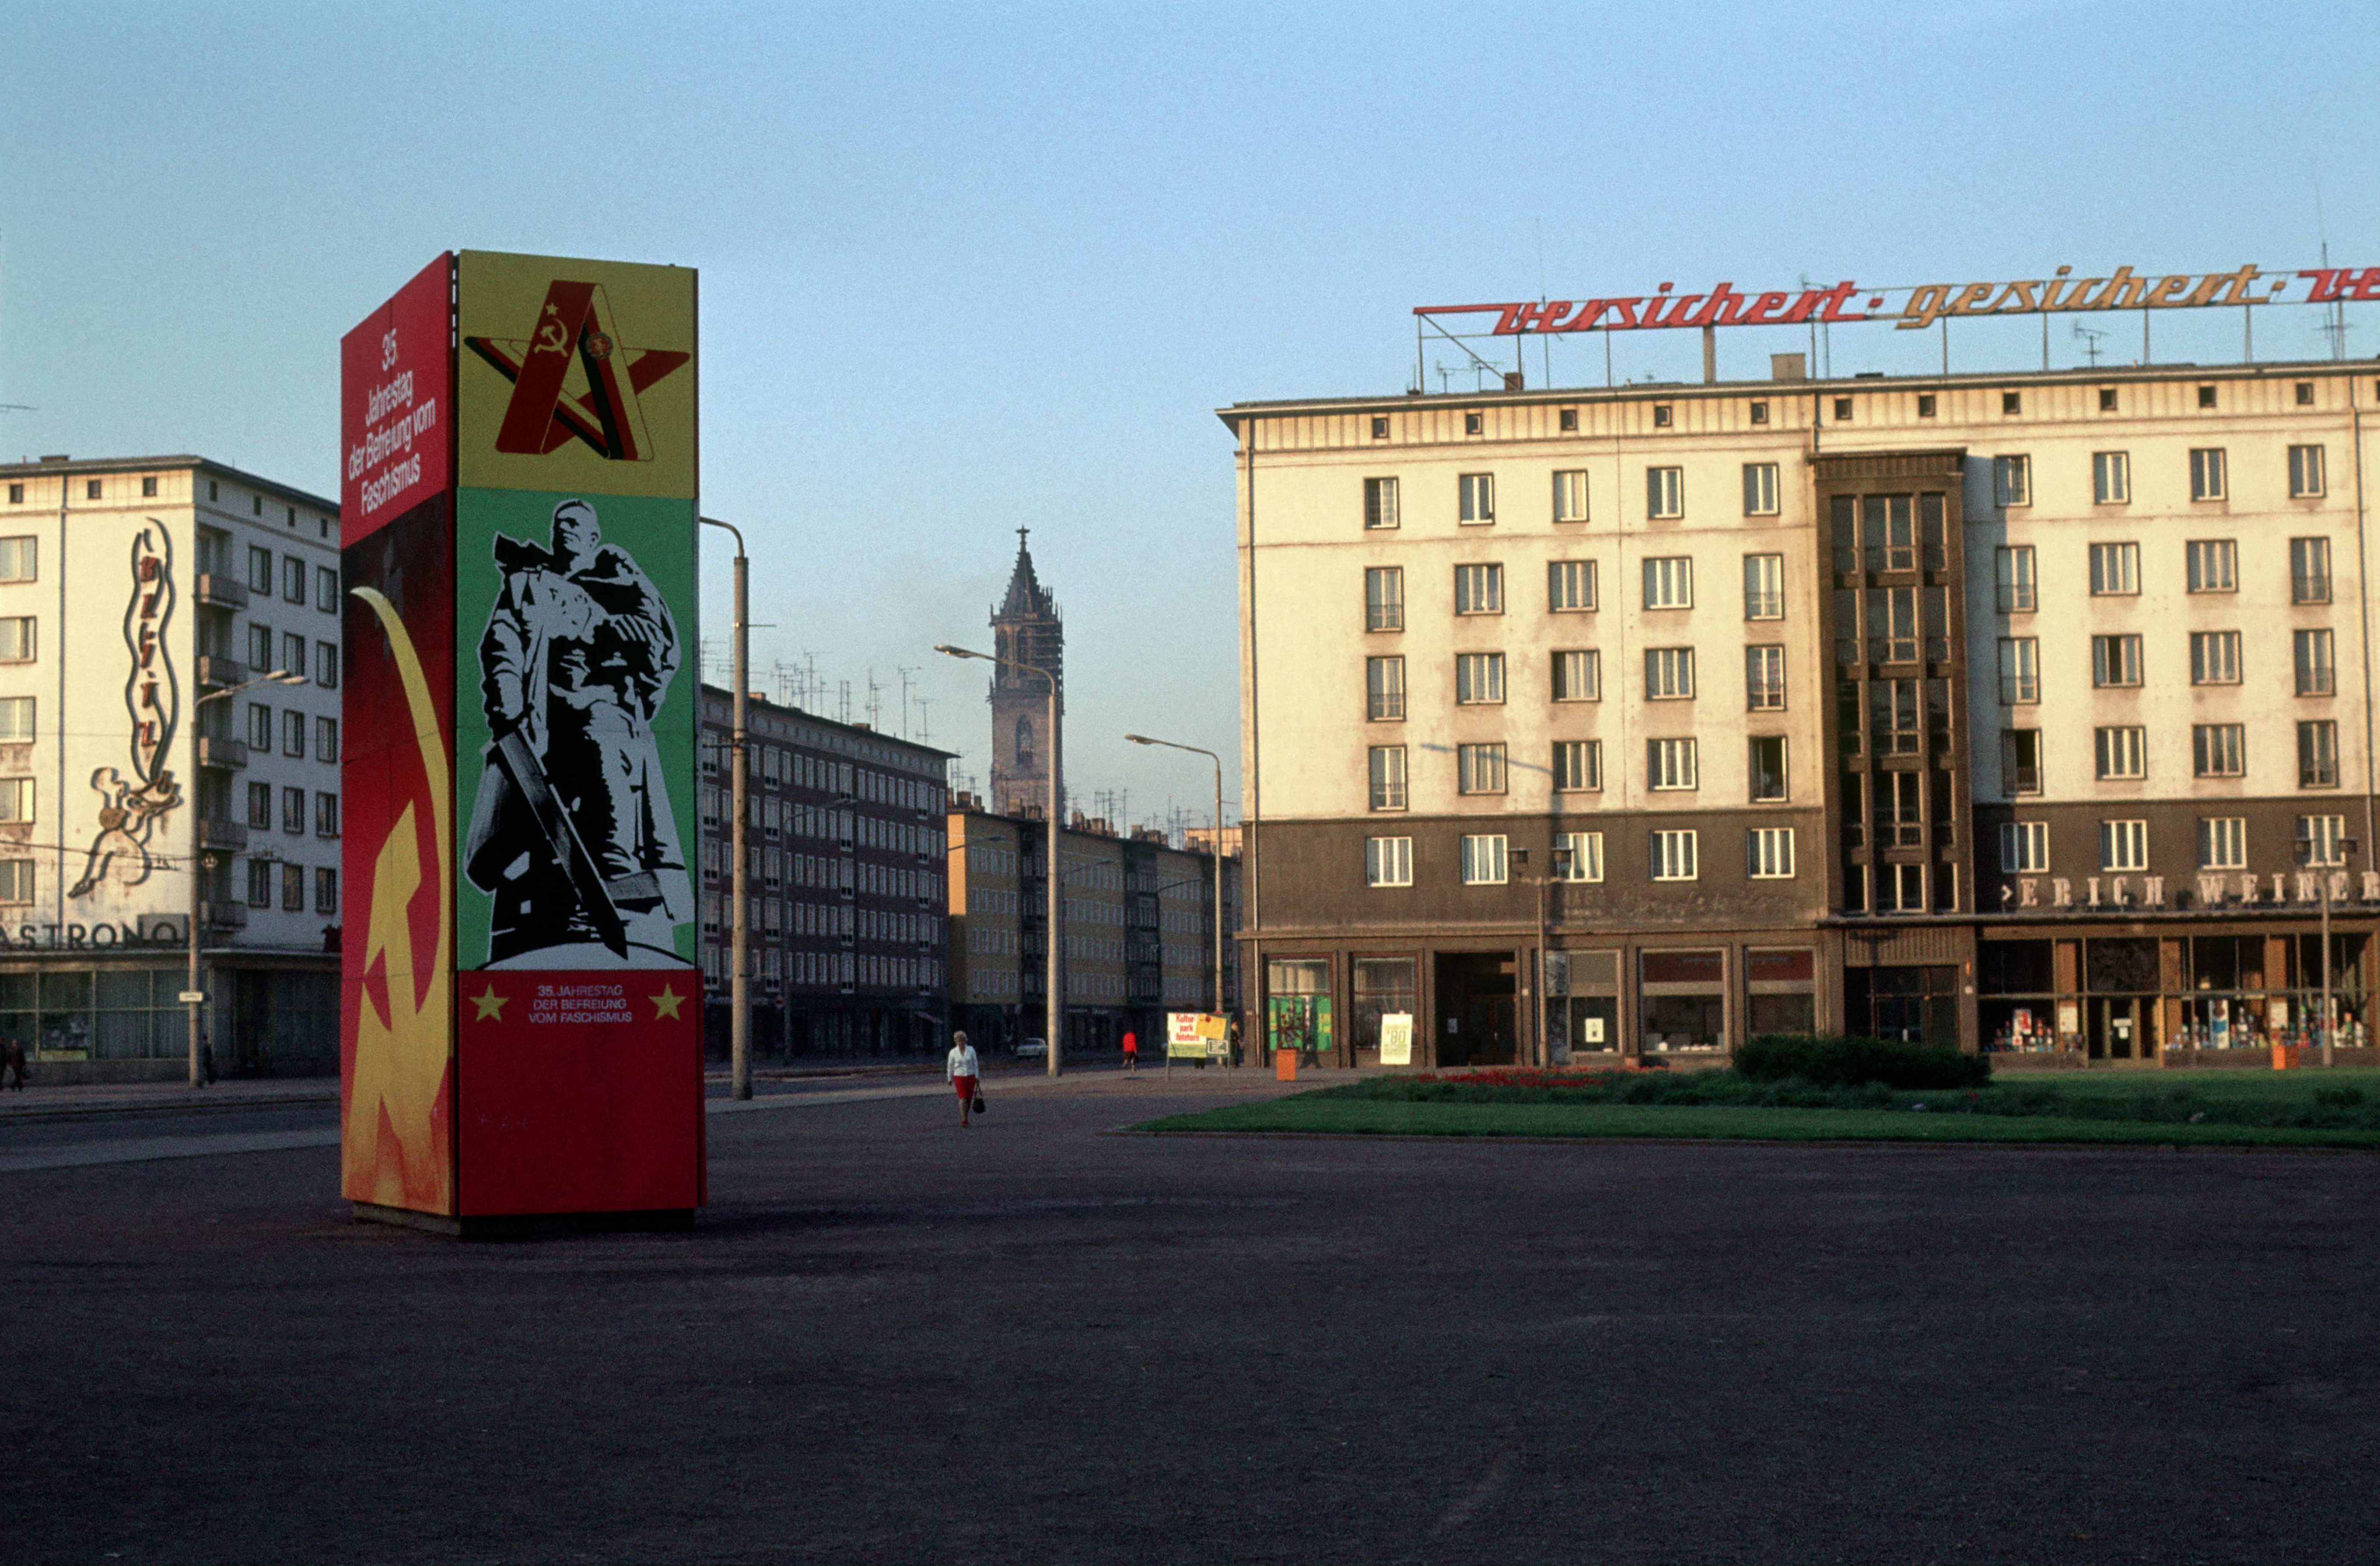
[573,379]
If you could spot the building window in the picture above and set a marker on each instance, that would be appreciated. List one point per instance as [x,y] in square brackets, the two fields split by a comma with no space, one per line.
[16,494]
[2019,761]
[2218,750]
[1670,764]
[1479,769]
[1900,889]
[1479,589]
[326,739]
[326,664]
[1893,625]
[18,641]
[2318,753]
[2213,566]
[2012,402]
[326,590]
[1585,850]
[2305,472]
[1479,497]
[1384,690]
[1892,716]
[2123,845]
[1842,410]
[1387,861]
[1578,674]
[1926,405]
[1769,853]
[259,883]
[1380,429]
[1763,587]
[260,647]
[91,490]
[259,805]
[1379,502]
[326,815]
[293,889]
[2322,841]
[1763,678]
[16,880]
[2012,563]
[1664,493]
[292,733]
[2111,478]
[2306,394]
[293,654]
[1569,586]
[2207,396]
[1768,777]
[17,559]
[1663,416]
[2122,752]
[1388,777]
[15,799]
[2311,654]
[1569,421]
[293,580]
[16,718]
[259,728]
[326,891]
[1669,582]
[1760,488]
[2106,399]
[2222,842]
[293,811]
[1483,859]
[259,571]
[2013,480]
[1384,597]
[1478,678]
[1578,765]
[1673,855]
[2020,670]
[1760,413]
[2115,660]
[1668,674]
[2024,847]
[2206,473]
[1569,495]
[1474,423]
[2309,570]
[2215,658]
[2115,570]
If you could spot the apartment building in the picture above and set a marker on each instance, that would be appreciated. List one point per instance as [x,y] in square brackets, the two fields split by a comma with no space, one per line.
[169,683]
[844,835]
[1140,919]
[2026,711]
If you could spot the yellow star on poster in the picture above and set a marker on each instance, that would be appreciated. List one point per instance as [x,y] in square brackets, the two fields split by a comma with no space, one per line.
[491,1005]
[667,1003]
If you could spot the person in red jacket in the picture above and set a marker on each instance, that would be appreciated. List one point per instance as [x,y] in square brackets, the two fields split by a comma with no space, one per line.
[1131,1051]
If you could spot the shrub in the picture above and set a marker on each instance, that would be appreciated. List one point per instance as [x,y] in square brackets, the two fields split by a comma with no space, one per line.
[1843,1063]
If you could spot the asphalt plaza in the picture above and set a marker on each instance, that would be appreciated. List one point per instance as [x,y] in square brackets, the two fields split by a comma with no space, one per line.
[1039,1339]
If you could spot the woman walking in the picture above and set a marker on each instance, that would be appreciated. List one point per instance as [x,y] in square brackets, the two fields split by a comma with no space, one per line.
[963,1072]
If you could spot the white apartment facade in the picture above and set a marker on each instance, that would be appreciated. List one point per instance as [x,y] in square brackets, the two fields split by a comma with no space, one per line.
[2029,711]
[146,606]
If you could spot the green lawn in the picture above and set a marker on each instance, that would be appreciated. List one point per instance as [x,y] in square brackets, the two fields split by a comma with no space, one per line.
[2298,1109]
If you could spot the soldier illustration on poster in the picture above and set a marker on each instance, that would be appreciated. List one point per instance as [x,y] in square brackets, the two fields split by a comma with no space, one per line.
[573,834]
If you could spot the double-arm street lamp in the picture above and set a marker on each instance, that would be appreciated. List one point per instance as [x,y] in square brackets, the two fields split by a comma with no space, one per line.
[1054,938]
[194,996]
[1220,935]
[739,949]
[2310,852]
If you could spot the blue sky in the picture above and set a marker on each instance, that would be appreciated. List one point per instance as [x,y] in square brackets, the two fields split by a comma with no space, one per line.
[972,268]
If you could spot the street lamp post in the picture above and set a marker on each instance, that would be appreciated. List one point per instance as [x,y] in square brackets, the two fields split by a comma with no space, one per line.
[200,858]
[1557,865]
[1195,750]
[2339,849]
[739,942]
[1053,980]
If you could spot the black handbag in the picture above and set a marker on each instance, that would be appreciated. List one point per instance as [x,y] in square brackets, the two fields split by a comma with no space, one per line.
[978,1104]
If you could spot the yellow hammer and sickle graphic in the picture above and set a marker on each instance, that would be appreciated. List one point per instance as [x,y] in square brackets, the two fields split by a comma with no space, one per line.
[401,1061]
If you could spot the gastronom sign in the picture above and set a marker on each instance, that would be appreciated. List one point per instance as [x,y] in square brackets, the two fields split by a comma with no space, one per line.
[1911,307]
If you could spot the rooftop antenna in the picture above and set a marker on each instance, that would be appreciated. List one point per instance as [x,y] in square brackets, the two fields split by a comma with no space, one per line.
[906,672]
[925,721]
[2334,315]
[875,702]
[842,701]
[2091,335]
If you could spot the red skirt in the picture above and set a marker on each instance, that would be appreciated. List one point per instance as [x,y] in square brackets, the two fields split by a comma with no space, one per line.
[965,1085]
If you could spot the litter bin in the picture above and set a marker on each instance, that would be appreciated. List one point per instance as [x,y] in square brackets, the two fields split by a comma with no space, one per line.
[1284,1065]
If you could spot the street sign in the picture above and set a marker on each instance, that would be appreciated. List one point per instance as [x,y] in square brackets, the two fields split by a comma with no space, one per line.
[191,998]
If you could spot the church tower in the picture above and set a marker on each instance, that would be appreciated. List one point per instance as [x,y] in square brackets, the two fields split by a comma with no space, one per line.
[1025,627]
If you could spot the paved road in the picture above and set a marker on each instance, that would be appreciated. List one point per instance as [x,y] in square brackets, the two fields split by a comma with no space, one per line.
[892,1340]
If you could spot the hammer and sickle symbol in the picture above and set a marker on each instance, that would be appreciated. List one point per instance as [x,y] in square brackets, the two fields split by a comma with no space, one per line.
[551,339]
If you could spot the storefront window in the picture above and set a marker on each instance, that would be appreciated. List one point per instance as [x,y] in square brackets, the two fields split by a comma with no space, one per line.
[1582,1005]
[1682,1001]
[1782,987]
[2017,1008]
[1297,1007]
[1383,987]
[1913,1005]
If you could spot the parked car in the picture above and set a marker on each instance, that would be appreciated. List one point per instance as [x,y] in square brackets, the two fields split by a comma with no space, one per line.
[1033,1049]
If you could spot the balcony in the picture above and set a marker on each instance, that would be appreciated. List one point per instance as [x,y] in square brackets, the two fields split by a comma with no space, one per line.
[215,752]
[220,592]
[224,915]
[220,672]
[229,837]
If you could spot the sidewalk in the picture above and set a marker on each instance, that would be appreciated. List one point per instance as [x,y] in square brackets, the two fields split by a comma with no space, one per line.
[78,1101]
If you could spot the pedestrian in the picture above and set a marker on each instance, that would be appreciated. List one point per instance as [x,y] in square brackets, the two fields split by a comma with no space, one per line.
[12,1061]
[1131,1051]
[207,1064]
[964,1072]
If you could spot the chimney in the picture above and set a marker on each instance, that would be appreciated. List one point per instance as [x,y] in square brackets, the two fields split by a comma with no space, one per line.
[1789,367]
